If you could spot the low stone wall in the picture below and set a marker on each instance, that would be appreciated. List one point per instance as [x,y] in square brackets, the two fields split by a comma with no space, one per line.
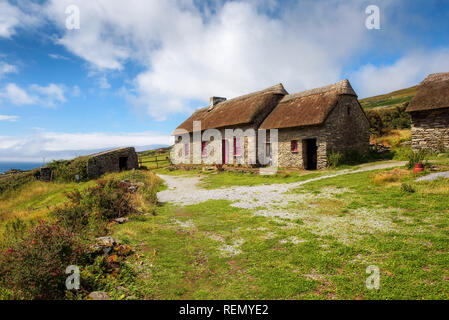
[430,130]
[109,161]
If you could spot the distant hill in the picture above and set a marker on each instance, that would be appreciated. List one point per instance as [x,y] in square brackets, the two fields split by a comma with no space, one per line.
[390,99]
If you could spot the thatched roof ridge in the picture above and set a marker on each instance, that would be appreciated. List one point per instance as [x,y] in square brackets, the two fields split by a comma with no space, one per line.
[237,111]
[432,93]
[307,108]
[341,87]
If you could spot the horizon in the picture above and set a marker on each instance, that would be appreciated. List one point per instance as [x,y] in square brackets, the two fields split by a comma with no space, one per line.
[79,76]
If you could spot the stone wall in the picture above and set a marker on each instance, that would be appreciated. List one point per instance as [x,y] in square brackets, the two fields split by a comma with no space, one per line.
[346,129]
[430,130]
[214,149]
[109,161]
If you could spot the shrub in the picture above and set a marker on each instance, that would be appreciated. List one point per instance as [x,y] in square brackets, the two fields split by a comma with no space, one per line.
[34,268]
[416,157]
[66,170]
[407,188]
[384,119]
[334,159]
[92,208]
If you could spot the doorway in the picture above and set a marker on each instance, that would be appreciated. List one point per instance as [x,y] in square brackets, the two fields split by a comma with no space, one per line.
[224,151]
[123,163]
[310,154]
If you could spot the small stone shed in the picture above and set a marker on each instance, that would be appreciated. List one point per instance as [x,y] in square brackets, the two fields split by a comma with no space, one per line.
[316,122]
[111,161]
[429,111]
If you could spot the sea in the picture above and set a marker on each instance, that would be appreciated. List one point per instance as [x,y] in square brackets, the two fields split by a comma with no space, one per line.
[5,166]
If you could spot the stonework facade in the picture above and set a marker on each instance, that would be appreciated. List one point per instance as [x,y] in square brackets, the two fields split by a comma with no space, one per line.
[346,129]
[111,161]
[430,130]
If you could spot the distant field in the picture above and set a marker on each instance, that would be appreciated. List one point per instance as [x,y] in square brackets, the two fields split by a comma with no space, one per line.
[153,159]
[390,99]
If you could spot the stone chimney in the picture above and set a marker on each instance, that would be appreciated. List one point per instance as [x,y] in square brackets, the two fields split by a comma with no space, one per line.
[214,101]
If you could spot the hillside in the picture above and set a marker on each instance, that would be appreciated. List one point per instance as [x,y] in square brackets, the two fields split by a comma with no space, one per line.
[390,99]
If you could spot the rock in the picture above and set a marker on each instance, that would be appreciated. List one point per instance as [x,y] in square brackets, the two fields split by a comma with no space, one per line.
[123,250]
[121,220]
[106,241]
[98,295]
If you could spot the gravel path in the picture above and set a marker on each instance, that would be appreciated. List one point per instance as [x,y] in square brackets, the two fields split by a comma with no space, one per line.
[183,190]
[434,176]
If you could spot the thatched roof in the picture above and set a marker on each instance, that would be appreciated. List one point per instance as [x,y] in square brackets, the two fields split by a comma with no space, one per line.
[432,93]
[238,111]
[306,108]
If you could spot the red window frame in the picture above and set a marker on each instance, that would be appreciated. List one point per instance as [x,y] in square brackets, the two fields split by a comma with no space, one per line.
[204,148]
[294,146]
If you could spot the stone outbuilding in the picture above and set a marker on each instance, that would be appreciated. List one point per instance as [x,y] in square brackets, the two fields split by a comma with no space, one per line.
[429,111]
[111,161]
[316,122]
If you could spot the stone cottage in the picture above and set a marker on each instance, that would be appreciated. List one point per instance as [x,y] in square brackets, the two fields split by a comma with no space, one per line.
[316,122]
[111,161]
[245,112]
[429,111]
[310,124]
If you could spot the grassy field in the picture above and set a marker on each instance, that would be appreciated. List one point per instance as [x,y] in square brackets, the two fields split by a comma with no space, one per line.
[148,158]
[334,230]
[215,251]
[390,99]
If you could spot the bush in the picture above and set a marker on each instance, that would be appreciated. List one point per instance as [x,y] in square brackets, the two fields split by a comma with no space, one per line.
[384,119]
[334,159]
[416,157]
[66,170]
[34,268]
[95,206]
[407,188]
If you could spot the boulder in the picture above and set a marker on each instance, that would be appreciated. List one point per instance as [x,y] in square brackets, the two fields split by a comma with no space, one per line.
[98,295]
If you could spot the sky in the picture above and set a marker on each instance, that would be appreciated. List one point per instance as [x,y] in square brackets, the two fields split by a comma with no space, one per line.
[131,71]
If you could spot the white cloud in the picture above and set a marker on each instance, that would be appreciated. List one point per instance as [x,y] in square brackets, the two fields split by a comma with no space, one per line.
[16,95]
[47,96]
[13,17]
[7,68]
[58,145]
[193,53]
[405,72]
[8,118]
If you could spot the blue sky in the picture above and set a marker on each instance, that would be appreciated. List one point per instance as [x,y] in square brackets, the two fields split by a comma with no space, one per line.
[132,72]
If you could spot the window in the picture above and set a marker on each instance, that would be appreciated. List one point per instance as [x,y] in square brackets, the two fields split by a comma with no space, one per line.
[204,148]
[187,149]
[294,146]
[237,146]
[348,110]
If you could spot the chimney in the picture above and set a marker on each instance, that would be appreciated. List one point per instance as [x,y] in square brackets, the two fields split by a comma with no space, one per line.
[214,101]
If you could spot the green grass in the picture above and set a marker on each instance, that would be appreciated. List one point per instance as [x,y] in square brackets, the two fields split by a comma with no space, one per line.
[182,247]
